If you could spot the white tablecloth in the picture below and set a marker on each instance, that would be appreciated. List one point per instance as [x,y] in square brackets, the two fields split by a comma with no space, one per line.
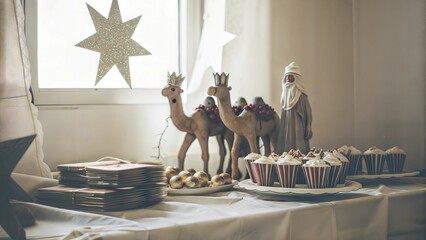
[386,210]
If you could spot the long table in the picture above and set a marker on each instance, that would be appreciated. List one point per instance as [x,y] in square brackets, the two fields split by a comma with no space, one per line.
[390,209]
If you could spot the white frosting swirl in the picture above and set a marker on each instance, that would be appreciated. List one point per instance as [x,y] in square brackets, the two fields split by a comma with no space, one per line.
[343,149]
[283,154]
[340,156]
[395,150]
[274,156]
[265,160]
[374,150]
[309,156]
[288,160]
[332,159]
[316,162]
[253,156]
[354,151]
[299,154]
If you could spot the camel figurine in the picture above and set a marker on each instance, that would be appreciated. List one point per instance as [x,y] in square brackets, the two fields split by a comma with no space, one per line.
[201,124]
[247,124]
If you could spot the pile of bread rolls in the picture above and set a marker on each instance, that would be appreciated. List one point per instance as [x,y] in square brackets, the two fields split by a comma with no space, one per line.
[190,178]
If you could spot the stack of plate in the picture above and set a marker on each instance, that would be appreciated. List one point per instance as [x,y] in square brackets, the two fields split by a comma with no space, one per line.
[124,175]
[74,174]
[110,187]
[92,199]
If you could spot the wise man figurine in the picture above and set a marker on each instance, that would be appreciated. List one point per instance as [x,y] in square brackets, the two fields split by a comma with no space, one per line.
[296,116]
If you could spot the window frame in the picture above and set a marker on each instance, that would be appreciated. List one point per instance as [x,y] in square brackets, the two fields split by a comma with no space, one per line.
[190,21]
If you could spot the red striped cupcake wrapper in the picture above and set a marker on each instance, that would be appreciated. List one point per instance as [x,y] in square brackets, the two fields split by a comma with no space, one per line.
[343,173]
[300,176]
[355,164]
[250,170]
[287,175]
[264,173]
[395,162]
[316,177]
[375,163]
[334,175]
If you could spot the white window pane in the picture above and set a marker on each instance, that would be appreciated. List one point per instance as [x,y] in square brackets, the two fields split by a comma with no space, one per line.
[64,23]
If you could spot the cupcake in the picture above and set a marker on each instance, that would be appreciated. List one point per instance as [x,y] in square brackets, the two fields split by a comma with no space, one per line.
[395,158]
[249,159]
[301,177]
[288,169]
[345,166]
[375,159]
[274,157]
[316,173]
[264,171]
[355,160]
[335,169]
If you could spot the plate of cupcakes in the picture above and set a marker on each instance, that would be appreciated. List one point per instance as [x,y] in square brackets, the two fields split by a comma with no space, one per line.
[381,164]
[294,174]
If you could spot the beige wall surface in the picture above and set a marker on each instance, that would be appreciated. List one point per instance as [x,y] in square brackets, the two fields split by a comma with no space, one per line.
[390,80]
[363,64]
[318,36]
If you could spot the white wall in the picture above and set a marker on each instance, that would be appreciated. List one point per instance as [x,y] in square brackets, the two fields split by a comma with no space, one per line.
[318,36]
[348,52]
[390,80]
[363,63]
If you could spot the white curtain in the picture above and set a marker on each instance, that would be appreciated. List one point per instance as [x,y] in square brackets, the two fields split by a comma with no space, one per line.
[18,117]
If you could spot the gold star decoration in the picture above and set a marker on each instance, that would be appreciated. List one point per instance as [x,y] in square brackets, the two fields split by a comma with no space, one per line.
[113,41]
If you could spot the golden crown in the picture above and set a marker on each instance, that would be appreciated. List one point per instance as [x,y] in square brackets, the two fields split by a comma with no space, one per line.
[174,80]
[221,80]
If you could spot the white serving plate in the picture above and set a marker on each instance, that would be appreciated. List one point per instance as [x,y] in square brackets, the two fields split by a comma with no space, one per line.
[201,190]
[384,175]
[298,190]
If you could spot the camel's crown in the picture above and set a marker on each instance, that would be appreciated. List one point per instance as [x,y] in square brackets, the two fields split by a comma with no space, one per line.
[221,80]
[174,80]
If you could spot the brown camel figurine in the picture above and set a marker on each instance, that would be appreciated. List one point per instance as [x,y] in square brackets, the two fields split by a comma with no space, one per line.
[201,124]
[247,124]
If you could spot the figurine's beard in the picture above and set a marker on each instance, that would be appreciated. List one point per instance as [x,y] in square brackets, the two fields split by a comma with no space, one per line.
[289,96]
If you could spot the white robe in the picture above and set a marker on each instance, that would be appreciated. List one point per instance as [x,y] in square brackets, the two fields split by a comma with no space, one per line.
[295,127]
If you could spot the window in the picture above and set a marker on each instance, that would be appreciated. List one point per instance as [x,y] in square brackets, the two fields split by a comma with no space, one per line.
[65,71]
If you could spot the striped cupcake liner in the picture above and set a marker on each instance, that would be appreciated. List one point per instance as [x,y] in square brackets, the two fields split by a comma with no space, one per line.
[375,163]
[355,164]
[334,175]
[395,162]
[300,176]
[250,170]
[343,173]
[264,173]
[287,175]
[316,177]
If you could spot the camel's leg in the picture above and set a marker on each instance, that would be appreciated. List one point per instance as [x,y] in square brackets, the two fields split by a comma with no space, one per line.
[229,137]
[222,152]
[252,143]
[244,147]
[273,138]
[266,145]
[203,139]
[187,141]
[234,156]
